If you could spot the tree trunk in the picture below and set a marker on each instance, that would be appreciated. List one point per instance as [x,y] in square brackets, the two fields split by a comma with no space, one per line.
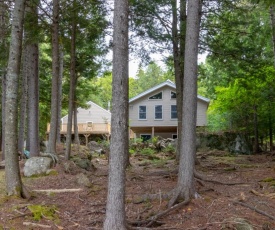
[76,135]
[72,88]
[270,131]
[13,179]
[23,104]
[185,186]
[256,132]
[4,88]
[119,148]
[59,109]
[55,68]
[33,78]
[33,98]
[178,54]
[272,20]
[4,56]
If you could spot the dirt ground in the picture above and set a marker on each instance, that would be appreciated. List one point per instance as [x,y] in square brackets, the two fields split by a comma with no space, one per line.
[219,205]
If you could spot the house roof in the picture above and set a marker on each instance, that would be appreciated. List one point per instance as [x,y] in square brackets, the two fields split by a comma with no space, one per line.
[166,83]
[94,104]
[91,104]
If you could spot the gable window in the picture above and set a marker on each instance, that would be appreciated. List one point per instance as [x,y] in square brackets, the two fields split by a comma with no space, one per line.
[173,95]
[142,112]
[158,112]
[174,114]
[156,96]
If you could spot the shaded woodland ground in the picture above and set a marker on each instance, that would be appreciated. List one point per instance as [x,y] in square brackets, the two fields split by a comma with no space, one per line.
[245,195]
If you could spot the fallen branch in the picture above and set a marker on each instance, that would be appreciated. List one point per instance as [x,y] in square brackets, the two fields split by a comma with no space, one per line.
[36,225]
[59,190]
[254,209]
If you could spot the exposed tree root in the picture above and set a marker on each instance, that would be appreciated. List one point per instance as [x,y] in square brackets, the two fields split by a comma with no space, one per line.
[156,196]
[197,176]
[254,209]
[153,220]
[202,178]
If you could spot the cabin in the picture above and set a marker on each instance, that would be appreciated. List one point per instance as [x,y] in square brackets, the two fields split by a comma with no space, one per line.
[154,112]
[92,122]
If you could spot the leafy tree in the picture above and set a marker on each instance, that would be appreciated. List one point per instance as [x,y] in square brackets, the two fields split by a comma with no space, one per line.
[236,63]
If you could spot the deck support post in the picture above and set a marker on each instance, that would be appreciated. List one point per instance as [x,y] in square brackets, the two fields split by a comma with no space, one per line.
[86,138]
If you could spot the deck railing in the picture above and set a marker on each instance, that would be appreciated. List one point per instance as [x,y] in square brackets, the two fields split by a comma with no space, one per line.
[87,128]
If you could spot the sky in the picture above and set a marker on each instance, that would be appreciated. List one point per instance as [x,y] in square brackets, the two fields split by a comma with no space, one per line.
[133,64]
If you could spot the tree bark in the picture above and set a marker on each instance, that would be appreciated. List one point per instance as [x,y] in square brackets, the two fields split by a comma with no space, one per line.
[55,75]
[272,22]
[59,109]
[185,186]
[33,78]
[4,57]
[178,38]
[76,135]
[256,131]
[72,88]
[4,88]
[23,104]
[13,179]
[119,148]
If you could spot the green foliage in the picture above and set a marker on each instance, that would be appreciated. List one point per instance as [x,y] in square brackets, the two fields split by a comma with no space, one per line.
[42,211]
[234,107]
[147,151]
[132,152]
[169,149]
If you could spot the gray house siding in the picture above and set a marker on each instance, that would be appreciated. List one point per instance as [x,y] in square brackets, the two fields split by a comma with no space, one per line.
[166,103]
[166,126]
[94,113]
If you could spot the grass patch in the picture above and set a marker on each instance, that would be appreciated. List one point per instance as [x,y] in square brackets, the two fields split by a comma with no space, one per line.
[43,211]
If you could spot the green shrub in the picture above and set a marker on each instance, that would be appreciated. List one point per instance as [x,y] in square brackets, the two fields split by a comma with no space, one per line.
[147,151]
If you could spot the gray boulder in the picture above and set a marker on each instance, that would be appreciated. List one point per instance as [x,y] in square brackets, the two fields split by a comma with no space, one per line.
[36,166]
[83,180]
[237,223]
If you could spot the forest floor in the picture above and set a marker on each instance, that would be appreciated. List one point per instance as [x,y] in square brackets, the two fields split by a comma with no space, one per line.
[245,194]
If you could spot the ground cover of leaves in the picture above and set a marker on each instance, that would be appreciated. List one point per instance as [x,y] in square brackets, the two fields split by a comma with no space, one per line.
[219,205]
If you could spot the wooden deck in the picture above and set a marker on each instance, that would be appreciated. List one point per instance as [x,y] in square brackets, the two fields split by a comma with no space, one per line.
[87,129]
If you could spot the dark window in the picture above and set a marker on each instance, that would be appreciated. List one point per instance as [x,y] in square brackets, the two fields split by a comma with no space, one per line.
[142,112]
[174,136]
[174,112]
[173,95]
[145,137]
[158,112]
[156,96]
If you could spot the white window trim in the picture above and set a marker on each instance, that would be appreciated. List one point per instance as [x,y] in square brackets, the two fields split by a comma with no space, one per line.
[158,119]
[142,119]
